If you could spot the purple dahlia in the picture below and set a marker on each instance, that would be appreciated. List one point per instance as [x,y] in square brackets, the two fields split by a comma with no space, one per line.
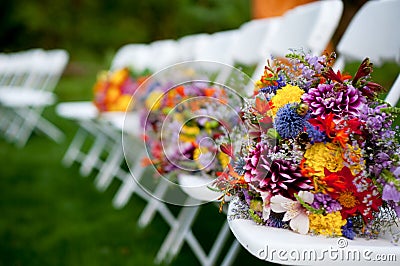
[280,177]
[325,99]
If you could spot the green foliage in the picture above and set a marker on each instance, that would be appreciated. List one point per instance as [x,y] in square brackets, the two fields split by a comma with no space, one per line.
[98,26]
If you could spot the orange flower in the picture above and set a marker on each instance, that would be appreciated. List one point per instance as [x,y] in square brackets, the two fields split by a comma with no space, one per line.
[209,92]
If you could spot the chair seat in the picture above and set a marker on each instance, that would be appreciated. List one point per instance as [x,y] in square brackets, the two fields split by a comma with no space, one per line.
[128,123]
[286,247]
[198,187]
[18,97]
[82,110]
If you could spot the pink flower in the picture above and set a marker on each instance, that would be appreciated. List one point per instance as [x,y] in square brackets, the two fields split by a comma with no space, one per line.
[294,211]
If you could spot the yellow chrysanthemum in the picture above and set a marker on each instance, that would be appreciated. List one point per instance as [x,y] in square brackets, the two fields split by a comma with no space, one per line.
[288,94]
[112,94]
[153,101]
[328,225]
[119,76]
[189,134]
[121,104]
[223,159]
[320,156]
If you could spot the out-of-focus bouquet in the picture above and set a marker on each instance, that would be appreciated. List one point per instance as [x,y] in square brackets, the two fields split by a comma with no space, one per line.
[322,155]
[113,90]
[184,126]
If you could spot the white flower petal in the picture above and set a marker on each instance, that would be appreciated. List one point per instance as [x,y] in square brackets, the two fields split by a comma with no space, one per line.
[276,203]
[307,196]
[266,212]
[300,223]
[290,214]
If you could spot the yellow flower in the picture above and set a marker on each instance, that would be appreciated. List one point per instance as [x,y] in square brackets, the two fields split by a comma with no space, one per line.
[112,94]
[119,76]
[153,101]
[224,159]
[328,225]
[189,134]
[288,94]
[320,156]
[122,103]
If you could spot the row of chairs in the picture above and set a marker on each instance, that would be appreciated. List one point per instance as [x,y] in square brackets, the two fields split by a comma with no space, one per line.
[309,27]
[27,81]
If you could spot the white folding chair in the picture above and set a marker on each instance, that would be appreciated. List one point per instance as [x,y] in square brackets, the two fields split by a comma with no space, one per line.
[29,91]
[188,45]
[309,27]
[134,55]
[248,45]
[394,94]
[372,32]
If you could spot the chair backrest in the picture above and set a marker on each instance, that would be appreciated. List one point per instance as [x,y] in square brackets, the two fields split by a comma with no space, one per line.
[35,68]
[15,68]
[372,32]
[309,27]
[188,45]
[46,69]
[216,47]
[393,96]
[248,46]
[136,56]
[164,53]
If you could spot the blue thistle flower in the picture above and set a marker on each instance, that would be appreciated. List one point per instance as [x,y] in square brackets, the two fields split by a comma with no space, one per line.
[314,134]
[288,123]
[347,229]
[275,220]
[239,166]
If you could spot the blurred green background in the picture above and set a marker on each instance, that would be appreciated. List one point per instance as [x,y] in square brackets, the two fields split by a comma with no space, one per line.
[49,214]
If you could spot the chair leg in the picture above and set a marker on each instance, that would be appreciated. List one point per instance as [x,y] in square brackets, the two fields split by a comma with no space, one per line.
[32,119]
[154,204]
[93,156]
[129,186]
[232,253]
[218,244]
[106,172]
[74,148]
[175,238]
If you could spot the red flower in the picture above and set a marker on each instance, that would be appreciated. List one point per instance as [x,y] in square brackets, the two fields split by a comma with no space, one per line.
[354,198]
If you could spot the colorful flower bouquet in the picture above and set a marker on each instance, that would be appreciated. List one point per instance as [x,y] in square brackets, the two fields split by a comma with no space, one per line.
[113,90]
[321,156]
[184,126]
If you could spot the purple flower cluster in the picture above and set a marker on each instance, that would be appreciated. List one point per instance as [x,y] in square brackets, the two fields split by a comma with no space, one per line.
[325,99]
[382,145]
[310,68]
[326,202]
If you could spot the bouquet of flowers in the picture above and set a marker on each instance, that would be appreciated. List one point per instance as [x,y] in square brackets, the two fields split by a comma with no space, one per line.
[321,156]
[113,90]
[184,126]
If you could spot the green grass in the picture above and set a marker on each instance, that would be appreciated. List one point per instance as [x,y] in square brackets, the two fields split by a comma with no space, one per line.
[50,215]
